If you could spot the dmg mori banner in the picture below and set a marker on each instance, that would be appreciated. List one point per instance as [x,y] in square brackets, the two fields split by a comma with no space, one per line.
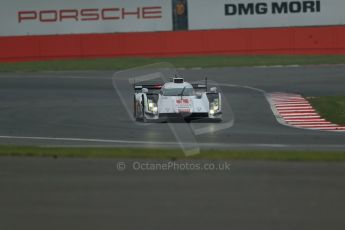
[220,14]
[33,17]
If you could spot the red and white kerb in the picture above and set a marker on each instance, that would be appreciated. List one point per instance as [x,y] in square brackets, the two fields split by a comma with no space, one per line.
[296,111]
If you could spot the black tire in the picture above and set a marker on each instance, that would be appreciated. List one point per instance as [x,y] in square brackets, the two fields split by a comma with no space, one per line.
[218,120]
[144,117]
[135,108]
[143,109]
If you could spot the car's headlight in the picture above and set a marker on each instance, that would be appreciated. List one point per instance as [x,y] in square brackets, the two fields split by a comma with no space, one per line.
[152,107]
[214,106]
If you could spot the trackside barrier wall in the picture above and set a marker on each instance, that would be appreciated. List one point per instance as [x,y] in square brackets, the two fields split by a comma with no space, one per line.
[312,40]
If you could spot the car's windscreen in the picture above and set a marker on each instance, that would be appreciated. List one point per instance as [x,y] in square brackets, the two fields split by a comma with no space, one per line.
[178,92]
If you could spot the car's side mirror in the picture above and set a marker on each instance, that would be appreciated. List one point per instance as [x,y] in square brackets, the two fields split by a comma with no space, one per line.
[213,90]
[144,90]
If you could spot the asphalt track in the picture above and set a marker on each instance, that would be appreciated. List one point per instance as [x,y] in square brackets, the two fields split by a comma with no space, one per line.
[84,109]
[91,194]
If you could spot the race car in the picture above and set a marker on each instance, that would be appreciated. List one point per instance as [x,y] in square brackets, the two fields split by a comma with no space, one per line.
[177,99]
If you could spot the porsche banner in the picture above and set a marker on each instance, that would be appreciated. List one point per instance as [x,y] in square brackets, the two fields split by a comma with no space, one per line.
[33,17]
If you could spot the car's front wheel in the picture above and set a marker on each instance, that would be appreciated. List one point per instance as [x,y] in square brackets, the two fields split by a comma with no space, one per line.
[135,108]
[144,116]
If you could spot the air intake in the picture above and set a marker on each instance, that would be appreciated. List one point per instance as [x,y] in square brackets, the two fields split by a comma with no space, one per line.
[178,80]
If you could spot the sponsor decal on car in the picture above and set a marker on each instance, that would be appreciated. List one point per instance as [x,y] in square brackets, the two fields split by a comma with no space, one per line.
[183,105]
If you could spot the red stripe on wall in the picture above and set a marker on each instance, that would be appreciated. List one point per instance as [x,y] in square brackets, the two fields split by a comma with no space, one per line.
[300,40]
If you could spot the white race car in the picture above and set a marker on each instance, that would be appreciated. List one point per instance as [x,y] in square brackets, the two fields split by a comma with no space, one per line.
[177,99]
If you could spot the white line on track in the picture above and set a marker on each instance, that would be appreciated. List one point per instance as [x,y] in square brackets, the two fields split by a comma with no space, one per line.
[289,106]
[317,125]
[148,143]
[82,140]
[303,117]
[286,115]
[309,123]
[305,120]
[284,111]
[292,104]
[168,144]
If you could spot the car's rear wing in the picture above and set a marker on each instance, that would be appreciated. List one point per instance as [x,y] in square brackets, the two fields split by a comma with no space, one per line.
[150,87]
[201,86]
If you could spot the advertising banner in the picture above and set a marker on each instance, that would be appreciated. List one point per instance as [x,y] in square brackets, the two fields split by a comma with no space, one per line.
[224,14]
[41,17]
[180,14]
[46,17]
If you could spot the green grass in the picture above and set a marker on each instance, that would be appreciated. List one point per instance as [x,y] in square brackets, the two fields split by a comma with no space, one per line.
[132,153]
[332,108]
[188,62]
